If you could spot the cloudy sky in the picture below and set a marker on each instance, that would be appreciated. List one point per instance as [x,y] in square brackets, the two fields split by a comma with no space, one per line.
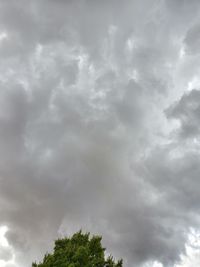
[100,128]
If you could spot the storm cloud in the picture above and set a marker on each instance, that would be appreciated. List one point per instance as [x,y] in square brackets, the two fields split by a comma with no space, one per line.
[99,127]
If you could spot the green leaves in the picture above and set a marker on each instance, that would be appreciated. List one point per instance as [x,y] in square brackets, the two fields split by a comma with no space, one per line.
[78,251]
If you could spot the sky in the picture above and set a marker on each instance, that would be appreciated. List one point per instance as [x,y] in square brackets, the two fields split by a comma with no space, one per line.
[99,128]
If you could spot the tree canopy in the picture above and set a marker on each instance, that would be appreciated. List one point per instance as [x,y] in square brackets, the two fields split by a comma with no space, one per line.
[80,250]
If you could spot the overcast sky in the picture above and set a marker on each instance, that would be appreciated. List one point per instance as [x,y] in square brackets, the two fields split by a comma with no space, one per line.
[100,128]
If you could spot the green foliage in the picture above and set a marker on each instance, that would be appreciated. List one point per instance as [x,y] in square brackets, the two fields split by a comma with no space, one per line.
[78,251]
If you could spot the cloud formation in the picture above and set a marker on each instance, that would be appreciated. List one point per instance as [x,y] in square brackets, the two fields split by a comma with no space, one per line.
[99,126]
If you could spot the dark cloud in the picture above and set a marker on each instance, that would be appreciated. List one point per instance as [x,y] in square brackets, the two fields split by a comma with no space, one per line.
[187,111]
[86,141]
[192,39]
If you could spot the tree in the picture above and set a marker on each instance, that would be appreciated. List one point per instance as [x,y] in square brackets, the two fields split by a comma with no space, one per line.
[80,250]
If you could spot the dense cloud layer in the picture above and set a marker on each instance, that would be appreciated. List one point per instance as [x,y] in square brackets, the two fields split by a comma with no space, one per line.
[99,126]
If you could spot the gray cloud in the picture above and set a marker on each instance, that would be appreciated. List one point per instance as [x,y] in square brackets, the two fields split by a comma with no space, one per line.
[192,39]
[5,253]
[187,111]
[85,138]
